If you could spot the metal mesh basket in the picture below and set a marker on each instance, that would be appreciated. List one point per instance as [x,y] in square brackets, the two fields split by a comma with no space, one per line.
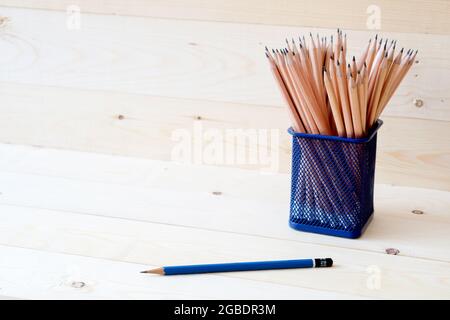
[332,183]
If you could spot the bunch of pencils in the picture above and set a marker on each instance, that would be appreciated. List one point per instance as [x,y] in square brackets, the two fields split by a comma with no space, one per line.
[328,96]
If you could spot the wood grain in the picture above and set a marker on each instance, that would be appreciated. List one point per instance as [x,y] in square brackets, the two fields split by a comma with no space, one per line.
[44,275]
[431,16]
[187,59]
[247,202]
[91,121]
[121,85]
[159,244]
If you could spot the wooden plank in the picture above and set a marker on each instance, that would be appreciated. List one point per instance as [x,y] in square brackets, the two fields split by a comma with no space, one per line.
[411,152]
[404,16]
[32,274]
[156,244]
[247,203]
[187,59]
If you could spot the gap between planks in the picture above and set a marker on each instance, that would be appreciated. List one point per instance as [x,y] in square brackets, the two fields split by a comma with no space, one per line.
[67,276]
[143,190]
[146,243]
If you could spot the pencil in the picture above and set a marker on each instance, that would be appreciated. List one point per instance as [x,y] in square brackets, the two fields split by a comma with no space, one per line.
[355,107]
[327,96]
[242,266]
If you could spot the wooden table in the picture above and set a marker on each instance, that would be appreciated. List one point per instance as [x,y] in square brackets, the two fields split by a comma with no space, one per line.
[80,225]
[114,85]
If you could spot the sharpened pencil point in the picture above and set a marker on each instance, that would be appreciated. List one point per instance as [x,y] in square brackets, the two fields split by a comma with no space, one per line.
[159,271]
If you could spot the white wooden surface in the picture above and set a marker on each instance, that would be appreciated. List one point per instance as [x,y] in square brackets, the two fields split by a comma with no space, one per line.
[61,87]
[81,224]
[69,217]
[430,16]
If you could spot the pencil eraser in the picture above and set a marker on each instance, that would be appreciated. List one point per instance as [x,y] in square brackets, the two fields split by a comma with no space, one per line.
[323,262]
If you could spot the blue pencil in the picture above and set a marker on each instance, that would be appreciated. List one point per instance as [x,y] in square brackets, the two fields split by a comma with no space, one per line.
[242,266]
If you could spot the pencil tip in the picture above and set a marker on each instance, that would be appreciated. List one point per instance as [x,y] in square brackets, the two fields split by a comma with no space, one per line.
[354,59]
[145,271]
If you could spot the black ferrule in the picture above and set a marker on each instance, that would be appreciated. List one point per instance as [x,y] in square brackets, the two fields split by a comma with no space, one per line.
[323,262]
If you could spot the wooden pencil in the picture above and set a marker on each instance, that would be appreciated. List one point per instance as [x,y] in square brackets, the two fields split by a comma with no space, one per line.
[327,96]
[355,107]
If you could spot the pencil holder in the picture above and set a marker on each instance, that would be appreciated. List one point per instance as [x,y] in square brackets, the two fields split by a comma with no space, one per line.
[332,183]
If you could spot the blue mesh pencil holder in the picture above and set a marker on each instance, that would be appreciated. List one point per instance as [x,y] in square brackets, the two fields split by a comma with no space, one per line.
[332,183]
